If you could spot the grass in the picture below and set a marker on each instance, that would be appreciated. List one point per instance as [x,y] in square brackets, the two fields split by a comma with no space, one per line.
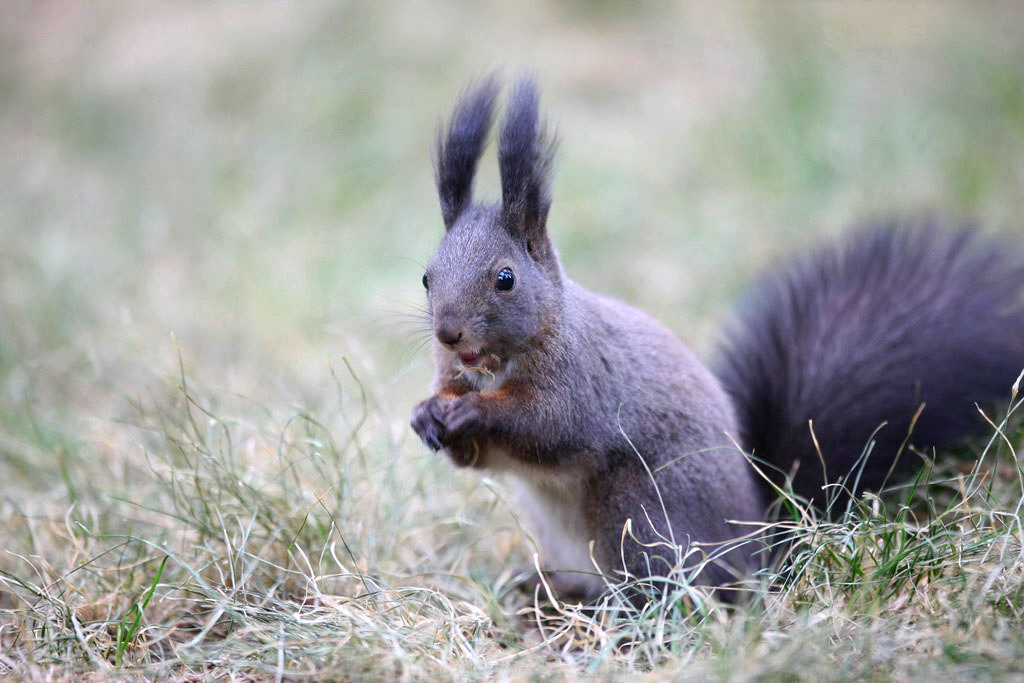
[213,219]
[240,550]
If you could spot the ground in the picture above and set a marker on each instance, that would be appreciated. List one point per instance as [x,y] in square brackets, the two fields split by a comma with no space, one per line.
[214,218]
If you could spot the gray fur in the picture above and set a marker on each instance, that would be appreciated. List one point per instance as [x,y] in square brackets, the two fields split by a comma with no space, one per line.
[910,323]
[575,392]
[458,150]
[603,419]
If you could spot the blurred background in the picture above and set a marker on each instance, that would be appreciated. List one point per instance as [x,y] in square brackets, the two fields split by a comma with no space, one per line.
[248,185]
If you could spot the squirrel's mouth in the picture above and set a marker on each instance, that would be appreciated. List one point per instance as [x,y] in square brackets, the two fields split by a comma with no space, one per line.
[471,358]
[480,360]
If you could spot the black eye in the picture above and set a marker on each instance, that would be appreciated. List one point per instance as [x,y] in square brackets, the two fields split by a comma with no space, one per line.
[426,281]
[506,280]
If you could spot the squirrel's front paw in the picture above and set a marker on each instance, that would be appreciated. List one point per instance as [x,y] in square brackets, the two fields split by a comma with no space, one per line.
[464,417]
[428,422]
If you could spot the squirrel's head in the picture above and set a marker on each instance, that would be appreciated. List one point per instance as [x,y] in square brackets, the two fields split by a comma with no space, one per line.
[495,282]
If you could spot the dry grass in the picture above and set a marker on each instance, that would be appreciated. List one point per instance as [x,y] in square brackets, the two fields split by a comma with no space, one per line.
[199,204]
[244,541]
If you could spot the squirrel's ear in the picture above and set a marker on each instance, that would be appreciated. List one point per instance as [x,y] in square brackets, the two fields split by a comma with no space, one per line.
[525,154]
[459,148]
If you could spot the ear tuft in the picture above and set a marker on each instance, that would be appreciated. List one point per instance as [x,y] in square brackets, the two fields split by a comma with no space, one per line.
[459,149]
[525,156]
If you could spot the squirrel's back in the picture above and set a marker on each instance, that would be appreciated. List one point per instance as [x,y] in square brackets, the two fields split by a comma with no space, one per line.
[857,338]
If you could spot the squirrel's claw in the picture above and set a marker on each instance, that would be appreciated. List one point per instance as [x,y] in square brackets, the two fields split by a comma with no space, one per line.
[428,423]
[464,417]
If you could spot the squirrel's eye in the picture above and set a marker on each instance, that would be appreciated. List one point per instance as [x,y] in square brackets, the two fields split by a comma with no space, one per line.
[506,280]
[426,281]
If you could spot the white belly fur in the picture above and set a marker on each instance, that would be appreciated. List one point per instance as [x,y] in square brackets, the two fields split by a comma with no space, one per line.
[551,506]
[482,379]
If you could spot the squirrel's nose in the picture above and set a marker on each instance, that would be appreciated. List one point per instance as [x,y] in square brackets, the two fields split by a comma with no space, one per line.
[449,336]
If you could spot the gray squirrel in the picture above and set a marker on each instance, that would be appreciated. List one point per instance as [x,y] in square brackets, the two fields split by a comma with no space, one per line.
[627,453]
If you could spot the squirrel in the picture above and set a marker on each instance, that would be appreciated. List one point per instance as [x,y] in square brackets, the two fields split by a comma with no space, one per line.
[628,454]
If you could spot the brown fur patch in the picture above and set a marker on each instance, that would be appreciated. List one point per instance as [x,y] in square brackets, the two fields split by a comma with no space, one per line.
[453,389]
[510,392]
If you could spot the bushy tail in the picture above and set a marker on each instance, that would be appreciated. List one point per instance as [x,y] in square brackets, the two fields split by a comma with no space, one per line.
[860,336]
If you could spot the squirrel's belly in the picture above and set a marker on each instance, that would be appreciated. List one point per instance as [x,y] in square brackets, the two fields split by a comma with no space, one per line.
[552,505]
